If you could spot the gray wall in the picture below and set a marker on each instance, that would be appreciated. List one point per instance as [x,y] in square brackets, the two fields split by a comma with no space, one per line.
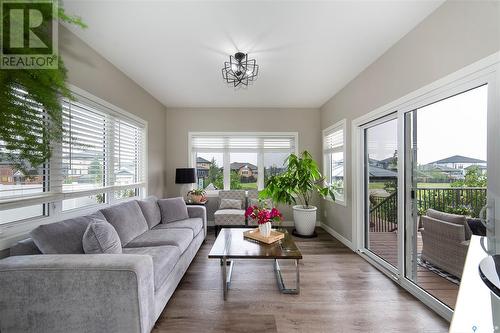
[183,120]
[89,71]
[454,36]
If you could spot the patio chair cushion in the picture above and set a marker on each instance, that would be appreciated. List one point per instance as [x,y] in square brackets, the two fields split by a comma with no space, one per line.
[229,217]
[230,204]
[451,218]
[150,210]
[101,237]
[173,209]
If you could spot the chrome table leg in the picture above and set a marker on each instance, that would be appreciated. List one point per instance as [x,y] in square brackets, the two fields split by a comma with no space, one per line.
[279,278]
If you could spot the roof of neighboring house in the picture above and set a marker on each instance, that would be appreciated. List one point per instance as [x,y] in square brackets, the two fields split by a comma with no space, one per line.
[202,160]
[442,168]
[388,159]
[458,159]
[381,172]
[375,172]
[238,166]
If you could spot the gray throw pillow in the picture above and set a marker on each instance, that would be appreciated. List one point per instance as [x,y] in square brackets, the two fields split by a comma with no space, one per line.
[63,237]
[150,210]
[173,209]
[230,204]
[101,237]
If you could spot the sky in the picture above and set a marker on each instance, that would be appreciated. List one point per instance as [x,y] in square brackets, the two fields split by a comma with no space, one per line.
[454,126]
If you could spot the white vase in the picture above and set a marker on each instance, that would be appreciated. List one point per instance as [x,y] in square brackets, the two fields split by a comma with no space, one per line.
[265,229]
[305,219]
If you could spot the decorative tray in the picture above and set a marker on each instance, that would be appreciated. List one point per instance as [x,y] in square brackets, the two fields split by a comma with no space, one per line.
[255,234]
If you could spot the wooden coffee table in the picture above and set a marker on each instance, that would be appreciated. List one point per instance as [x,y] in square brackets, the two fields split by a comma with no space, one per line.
[230,244]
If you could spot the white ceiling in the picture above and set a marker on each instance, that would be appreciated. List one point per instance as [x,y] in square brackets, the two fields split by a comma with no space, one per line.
[307,51]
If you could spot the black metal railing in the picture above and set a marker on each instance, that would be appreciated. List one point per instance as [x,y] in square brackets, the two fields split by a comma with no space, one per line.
[384,214]
[466,201]
[458,200]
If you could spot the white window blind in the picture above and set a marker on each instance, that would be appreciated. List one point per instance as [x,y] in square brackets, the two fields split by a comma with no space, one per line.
[333,140]
[129,152]
[83,147]
[243,143]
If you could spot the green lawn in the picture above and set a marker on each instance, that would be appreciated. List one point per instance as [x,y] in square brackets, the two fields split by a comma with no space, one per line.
[427,185]
[248,186]
[380,186]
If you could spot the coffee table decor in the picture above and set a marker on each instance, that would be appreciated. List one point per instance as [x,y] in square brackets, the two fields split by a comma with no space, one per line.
[264,217]
[255,234]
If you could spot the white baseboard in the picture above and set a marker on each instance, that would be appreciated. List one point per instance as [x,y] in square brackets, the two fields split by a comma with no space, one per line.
[338,236]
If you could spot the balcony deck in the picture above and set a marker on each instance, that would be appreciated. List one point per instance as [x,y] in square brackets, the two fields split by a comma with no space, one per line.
[384,244]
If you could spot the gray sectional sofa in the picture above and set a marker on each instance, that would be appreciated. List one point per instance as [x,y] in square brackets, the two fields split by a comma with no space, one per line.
[49,284]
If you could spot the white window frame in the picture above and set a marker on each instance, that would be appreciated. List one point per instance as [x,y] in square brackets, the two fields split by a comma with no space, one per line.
[12,231]
[340,125]
[226,153]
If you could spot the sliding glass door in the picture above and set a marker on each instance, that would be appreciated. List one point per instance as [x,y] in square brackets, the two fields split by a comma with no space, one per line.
[429,178]
[446,173]
[381,196]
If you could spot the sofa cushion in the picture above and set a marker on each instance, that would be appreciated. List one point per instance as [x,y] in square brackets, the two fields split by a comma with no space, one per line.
[451,218]
[24,247]
[194,224]
[150,210]
[101,237]
[63,237]
[164,260]
[230,204]
[127,219]
[173,209]
[158,237]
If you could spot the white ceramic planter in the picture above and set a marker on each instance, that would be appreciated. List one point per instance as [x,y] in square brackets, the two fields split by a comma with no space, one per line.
[304,219]
[265,229]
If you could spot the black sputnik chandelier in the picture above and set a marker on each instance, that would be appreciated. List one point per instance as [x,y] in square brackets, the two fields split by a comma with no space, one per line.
[240,69]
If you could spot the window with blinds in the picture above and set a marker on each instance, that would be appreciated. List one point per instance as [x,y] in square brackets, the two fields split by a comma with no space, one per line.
[99,160]
[239,161]
[334,158]
[19,180]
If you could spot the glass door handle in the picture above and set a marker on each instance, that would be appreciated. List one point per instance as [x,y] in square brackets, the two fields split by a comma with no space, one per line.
[483,217]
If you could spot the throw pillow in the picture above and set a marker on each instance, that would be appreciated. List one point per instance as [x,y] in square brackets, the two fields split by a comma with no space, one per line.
[101,237]
[230,204]
[64,237]
[173,209]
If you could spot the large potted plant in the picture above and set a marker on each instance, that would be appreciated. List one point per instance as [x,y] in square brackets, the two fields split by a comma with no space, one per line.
[296,186]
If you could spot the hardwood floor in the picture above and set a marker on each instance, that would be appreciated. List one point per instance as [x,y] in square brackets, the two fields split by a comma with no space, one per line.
[340,292]
[384,244]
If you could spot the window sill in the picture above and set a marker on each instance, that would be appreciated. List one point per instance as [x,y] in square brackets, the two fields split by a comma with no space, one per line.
[338,202]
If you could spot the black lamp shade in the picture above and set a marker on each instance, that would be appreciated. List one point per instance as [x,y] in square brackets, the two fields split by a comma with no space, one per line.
[185,175]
